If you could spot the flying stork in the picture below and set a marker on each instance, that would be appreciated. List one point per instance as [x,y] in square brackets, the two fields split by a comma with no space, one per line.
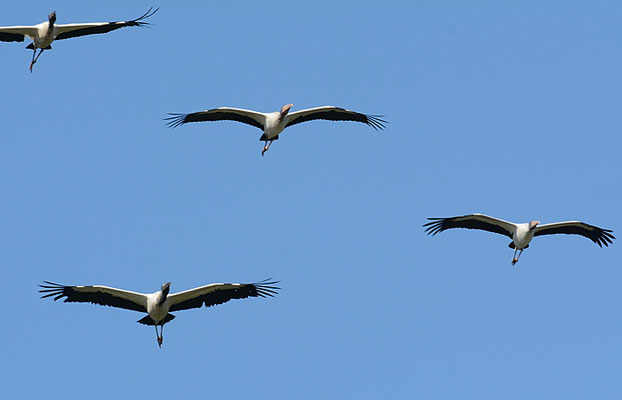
[521,234]
[272,124]
[160,303]
[43,34]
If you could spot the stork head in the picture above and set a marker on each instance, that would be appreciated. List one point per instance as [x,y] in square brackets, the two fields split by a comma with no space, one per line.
[52,17]
[285,109]
[533,224]
[165,288]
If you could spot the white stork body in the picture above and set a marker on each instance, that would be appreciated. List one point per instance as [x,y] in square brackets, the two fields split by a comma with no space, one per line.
[272,124]
[43,34]
[521,234]
[158,304]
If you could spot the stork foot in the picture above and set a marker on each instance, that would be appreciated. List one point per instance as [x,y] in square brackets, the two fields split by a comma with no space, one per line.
[514,261]
[265,148]
[160,339]
[31,65]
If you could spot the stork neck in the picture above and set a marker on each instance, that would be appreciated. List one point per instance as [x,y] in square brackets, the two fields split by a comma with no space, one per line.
[162,297]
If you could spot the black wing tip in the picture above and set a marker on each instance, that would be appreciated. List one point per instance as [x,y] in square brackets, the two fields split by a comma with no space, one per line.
[604,237]
[175,120]
[148,14]
[434,226]
[376,122]
[266,288]
[52,289]
[140,20]
[52,285]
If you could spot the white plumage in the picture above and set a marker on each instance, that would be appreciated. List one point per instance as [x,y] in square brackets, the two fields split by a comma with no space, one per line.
[272,124]
[521,234]
[158,304]
[43,34]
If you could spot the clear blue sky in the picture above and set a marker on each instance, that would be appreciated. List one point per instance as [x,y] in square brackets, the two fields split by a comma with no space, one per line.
[512,110]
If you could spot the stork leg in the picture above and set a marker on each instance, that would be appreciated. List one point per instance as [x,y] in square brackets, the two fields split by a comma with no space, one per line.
[519,253]
[158,337]
[515,259]
[32,62]
[266,147]
[34,59]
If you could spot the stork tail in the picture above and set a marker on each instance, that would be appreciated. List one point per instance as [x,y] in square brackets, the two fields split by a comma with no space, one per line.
[148,321]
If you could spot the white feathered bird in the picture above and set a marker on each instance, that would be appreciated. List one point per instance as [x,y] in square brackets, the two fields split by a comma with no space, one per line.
[521,234]
[43,34]
[272,124]
[158,304]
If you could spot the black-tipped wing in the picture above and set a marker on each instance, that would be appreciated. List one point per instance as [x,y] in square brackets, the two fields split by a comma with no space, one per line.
[472,221]
[249,117]
[67,31]
[102,295]
[219,293]
[334,114]
[597,235]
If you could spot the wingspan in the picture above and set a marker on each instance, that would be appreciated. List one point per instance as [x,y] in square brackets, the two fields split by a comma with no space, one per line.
[471,221]
[597,235]
[102,295]
[249,117]
[219,293]
[332,113]
[67,31]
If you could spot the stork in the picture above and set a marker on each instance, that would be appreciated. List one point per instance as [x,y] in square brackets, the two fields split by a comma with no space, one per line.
[272,124]
[43,34]
[158,305]
[521,234]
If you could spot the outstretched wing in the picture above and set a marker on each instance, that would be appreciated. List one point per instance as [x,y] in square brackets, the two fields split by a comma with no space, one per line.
[334,114]
[102,295]
[67,31]
[249,117]
[219,293]
[471,221]
[597,235]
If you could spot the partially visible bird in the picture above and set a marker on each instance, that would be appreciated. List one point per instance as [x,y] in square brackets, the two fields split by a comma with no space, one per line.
[521,234]
[43,34]
[158,304]
[272,124]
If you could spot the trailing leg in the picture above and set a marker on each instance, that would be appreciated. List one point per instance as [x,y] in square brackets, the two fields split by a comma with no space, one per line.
[266,147]
[34,59]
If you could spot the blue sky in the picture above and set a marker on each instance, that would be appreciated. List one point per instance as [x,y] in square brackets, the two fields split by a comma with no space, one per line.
[511,110]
